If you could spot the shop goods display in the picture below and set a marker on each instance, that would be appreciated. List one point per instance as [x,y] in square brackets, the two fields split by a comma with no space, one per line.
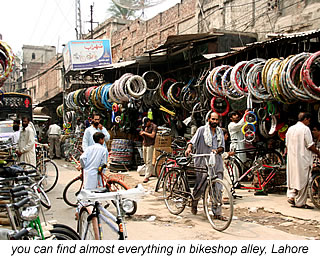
[6,61]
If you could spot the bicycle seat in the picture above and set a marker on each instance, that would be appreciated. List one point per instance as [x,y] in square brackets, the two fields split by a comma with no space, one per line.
[183,161]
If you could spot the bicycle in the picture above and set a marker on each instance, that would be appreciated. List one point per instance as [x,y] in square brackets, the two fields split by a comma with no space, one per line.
[314,187]
[93,210]
[111,182]
[263,172]
[23,207]
[177,192]
[237,166]
[47,167]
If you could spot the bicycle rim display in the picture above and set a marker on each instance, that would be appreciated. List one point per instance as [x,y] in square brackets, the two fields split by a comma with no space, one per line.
[85,229]
[71,191]
[218,205]
[50,171]
[174,192]
[314,191]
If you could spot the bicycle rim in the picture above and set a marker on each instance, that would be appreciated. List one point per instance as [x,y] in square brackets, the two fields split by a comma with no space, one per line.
[44,199]
[218,205]
[71,191]
[174,192]
[314,191]
[85,228]
[50,172]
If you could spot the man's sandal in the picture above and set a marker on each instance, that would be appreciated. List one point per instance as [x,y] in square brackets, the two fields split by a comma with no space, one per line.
[303,207]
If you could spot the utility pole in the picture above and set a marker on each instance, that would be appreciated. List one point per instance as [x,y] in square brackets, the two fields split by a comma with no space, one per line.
[78,20]
[91,21]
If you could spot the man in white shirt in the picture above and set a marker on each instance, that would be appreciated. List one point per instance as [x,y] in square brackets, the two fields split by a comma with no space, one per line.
[90,161]
[16,134]
[300,147]
[236,136]
[89,132]
[54,134]
[26,145]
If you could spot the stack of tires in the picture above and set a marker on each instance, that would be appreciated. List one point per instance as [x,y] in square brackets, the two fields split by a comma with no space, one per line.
[121,154]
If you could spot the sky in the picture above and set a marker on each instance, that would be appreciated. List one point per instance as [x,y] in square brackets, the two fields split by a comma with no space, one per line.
[52,22]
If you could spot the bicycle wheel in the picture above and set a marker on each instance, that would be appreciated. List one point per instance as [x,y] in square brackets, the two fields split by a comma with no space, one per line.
[44,199]
[71,191]
[272,158]
[114,185]
[175,191]
[234,170]
[70,230]
[314,191]
[85,228]
[50,172]
[62,234]
[162,174]
[156,168]
[219,210]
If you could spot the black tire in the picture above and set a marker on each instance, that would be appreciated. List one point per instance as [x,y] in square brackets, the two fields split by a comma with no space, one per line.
[82,225]
[273,157]
[314,191]
[50,171]
[161,175]
[62,234]
[213,200]
[71,191]
[71,231]
[234,168]
[175,191]
[114,185]
[44,199]
[156,165]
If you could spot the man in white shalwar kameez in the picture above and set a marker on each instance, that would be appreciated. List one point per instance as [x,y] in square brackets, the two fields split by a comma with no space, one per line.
[237,137]
[93,157]
[26,145]
[300,147]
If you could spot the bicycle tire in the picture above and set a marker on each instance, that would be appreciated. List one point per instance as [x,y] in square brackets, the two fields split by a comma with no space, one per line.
[213,201]
[62,234]
[82,225]
[161,176]
[314,191]
[174,191]
[44,199]
[273,157]
[114,185]
[51,174]
[71,191]
[71,231]
[234,168]
[161,156]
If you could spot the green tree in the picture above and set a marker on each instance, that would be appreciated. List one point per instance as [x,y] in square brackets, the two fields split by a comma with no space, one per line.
[121,12]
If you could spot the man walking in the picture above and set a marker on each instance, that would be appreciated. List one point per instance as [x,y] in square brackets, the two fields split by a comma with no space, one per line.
[54,134]
[149,136]
[300,147]
[26,144]
[89,132]
[208,138]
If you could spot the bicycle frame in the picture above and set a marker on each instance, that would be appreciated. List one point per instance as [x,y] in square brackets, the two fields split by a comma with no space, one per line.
[103,215]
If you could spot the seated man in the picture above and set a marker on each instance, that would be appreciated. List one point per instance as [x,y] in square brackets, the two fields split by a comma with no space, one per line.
[90,161]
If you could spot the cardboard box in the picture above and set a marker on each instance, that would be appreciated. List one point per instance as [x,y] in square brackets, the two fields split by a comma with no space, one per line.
[157,153]
[163,141]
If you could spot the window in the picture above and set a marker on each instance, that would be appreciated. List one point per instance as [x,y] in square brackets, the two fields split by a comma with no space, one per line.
[33,56]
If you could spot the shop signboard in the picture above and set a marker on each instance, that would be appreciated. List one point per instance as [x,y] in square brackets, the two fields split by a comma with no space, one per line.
[87,54]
